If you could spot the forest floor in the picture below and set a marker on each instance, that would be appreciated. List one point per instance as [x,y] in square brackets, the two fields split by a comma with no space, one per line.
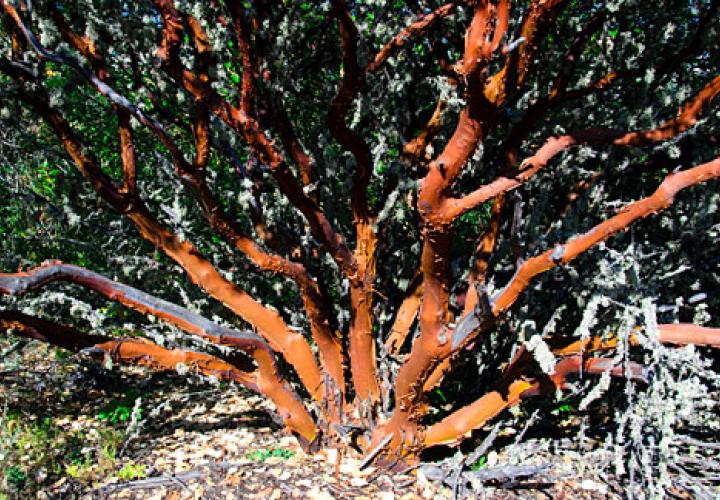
[72,428]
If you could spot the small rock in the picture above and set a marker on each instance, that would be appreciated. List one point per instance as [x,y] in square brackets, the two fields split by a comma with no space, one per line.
[358,482]
[588,484]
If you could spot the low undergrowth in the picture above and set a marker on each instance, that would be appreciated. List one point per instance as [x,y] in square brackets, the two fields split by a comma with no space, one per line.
[80,439]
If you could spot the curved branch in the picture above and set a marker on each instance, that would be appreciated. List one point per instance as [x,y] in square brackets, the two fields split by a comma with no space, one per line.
[459,424]
[417,147]
[686,118]
[559,94]
[562,254]
[18,284]
[417,28]
[253,133]
[264,380]
[194,178]
[291,344]
[353,79]
[362,342]
[89,51]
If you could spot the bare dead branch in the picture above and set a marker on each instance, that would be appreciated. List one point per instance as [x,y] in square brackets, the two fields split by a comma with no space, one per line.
[18,284]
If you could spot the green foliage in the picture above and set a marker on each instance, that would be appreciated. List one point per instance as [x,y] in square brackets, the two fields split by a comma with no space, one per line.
[120,411]
[265,453]
[35,450]
[15,477]
[480,464]
[469,226]
[132,471]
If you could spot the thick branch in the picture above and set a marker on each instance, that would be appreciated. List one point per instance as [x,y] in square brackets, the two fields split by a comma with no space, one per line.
[193,176]
[562,254]
[459,424]
[265,380]
[687,333]
[362,342]
[203,273]
[18,284]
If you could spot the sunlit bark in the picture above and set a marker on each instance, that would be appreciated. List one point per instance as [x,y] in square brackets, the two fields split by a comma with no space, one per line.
[500,60]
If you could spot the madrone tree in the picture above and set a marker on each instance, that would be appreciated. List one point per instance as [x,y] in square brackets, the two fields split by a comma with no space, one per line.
[383,194]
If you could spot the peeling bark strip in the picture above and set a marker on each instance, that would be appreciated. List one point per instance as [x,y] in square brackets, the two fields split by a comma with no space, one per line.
[405,316]
[264,380]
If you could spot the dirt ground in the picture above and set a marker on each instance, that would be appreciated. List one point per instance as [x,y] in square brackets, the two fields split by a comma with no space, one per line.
[72,428]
